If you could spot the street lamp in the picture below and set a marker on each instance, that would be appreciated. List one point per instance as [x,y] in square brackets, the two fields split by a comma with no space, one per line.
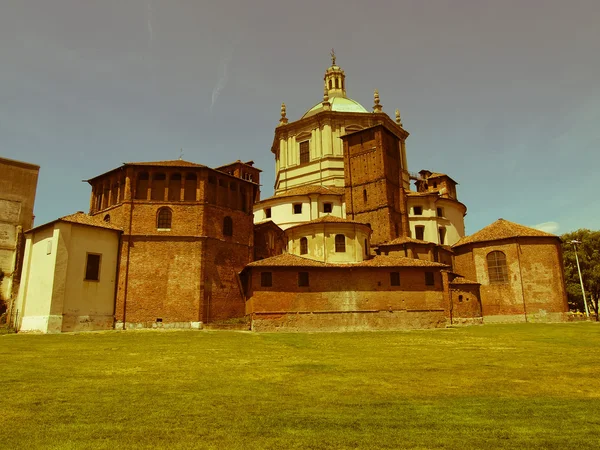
[575,242]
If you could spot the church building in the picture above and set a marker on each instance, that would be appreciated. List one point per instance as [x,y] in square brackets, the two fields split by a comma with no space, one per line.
[344,243]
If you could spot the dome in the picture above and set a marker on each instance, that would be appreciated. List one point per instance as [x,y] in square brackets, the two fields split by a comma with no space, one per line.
[339,104]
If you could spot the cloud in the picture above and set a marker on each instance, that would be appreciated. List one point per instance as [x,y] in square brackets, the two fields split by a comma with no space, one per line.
[548,227]
[222,81]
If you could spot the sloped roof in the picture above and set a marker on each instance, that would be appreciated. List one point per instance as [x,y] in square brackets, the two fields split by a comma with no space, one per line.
[311,189]
[405,240]
[463,280]
[168,163]
[502,229]
[82,219]
[306,190]
[289,260]
[329,219]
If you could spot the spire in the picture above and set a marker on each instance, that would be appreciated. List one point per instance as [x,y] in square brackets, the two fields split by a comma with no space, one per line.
[283,119]
[398,119]
[377,107]
[335,79]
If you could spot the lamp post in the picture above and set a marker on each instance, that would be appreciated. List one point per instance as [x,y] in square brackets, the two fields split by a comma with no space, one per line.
[575,242]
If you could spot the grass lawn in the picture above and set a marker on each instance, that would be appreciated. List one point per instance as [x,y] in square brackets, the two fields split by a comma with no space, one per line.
[494,386]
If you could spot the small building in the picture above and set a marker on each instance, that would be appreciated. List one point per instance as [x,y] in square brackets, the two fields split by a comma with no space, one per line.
[520,270]
[69,276]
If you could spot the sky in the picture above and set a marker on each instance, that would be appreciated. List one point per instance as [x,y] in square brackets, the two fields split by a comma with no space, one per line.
[503,95]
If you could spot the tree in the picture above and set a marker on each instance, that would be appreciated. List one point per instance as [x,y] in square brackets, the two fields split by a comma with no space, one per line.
[589,261]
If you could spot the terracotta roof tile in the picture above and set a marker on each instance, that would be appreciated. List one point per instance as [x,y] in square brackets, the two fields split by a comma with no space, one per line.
[289,260]
[310,189]
[502,229]
[169,163]
[81,219]
[463,280]
[405,240]
[328,219]
[85,219]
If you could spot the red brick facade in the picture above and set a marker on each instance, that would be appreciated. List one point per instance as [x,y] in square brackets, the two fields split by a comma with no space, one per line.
[534,286]
[373,179]
[188,232]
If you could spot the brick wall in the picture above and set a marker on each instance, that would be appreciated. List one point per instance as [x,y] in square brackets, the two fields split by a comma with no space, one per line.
[535,284]
[373,180]
[187,273]
[338,294]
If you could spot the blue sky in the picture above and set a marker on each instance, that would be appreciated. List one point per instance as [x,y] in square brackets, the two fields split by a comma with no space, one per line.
[504,96]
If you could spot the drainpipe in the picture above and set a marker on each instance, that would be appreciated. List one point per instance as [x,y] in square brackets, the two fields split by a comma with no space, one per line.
[127,267]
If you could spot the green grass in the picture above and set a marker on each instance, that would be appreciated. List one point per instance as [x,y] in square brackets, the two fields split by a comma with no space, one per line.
[503,386]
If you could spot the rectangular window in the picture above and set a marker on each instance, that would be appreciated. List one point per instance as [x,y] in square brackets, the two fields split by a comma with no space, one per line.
[304,152]
[419,232]
[429,281]
[442,233]
[302,278]
[266,279]
[440,212]
[327,207]
[297,208]
[92,267]
[418,210]
[340,243]
[394,278]
[267,213]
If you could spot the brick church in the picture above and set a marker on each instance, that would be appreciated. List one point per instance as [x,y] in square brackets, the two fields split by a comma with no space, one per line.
[343,244]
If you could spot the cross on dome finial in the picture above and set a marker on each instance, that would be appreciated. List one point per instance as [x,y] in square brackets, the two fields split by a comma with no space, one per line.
[332,57]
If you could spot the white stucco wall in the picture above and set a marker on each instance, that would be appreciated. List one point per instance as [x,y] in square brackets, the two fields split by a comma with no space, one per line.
[282,209]
[37,281]
[321,241]
[452,220]
[89,304]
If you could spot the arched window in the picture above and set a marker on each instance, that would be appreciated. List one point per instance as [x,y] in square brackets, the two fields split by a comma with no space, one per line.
[303,246]
[107,218]
[163,218]
[330,84]
[340,243]
[497,269]
[227,226]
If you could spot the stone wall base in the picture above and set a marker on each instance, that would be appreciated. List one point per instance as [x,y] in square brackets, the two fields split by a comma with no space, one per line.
[87,323]
[540,316]
[465,321]
[41,324]
[347,321]
[158,325]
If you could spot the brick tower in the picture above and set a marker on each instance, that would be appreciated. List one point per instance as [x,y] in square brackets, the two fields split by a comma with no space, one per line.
[376,179]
